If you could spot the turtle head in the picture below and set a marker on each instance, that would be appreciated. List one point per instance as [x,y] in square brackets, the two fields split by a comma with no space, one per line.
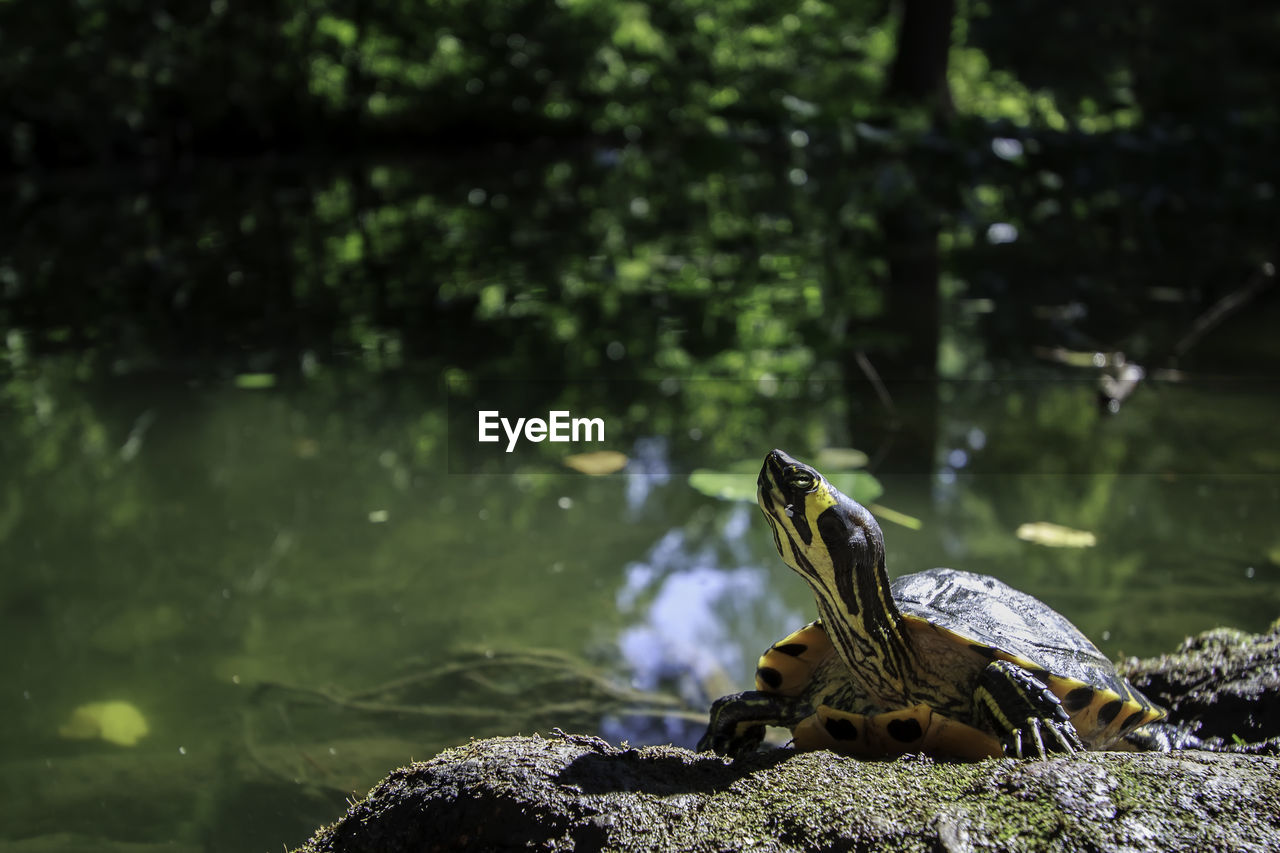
[816,527]
[830,540]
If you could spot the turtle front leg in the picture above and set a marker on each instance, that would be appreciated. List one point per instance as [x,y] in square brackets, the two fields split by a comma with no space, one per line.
[1026,716]
[738,720]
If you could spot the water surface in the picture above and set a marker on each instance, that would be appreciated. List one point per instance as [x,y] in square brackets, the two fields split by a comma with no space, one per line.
[177,546]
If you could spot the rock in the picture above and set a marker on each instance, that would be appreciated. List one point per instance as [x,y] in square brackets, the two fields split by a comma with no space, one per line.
[579,793]
[576,792]
[1223,683]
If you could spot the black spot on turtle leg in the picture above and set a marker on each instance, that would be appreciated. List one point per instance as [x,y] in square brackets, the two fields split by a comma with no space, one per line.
[840,728]
[792,649]
[738,721]
[1024,713]
[905,731]
[769,676]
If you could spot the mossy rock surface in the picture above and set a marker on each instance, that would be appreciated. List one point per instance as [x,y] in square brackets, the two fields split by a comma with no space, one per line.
[575,792]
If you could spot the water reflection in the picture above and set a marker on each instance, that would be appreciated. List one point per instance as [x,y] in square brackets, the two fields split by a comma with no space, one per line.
[648,468]
[172,546]
[694,622]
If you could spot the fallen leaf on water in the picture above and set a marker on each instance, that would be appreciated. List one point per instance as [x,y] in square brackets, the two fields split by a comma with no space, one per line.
[115,722]
[1055,535]
[908,521]
[859,485]
[725,485]
[737,482]
[597,463]
[840,458]
[255,381]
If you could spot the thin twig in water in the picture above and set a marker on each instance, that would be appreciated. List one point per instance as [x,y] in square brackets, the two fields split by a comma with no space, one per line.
[1226,306]
[549,672]
[869,370]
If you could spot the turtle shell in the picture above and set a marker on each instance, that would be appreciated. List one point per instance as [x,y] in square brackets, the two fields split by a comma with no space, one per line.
[996,621]
[988,612]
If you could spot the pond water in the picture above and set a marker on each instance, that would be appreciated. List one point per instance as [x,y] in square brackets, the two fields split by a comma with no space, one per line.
[300,579]
[178,547]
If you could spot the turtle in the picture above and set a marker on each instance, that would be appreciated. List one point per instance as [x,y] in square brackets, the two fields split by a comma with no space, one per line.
[942,662]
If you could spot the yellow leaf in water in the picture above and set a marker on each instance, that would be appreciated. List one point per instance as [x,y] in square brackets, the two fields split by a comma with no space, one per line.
[116,722]
[306,448]
[724,485]
[843,458]
[908,521]
[597,463]
[255,381]
[1055,535]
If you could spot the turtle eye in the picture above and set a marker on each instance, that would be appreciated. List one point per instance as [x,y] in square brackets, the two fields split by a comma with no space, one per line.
[798,478]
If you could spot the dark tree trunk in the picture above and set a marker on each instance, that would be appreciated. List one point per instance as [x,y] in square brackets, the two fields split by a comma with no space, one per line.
[909,225]
[919,73]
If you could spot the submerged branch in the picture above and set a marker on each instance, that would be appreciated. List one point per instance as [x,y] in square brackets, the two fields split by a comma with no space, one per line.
[551,684]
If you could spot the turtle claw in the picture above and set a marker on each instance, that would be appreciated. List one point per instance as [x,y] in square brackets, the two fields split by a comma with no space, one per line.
[727,744]
[1029,719]
[1039,738]
[730,732]
[737,724]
